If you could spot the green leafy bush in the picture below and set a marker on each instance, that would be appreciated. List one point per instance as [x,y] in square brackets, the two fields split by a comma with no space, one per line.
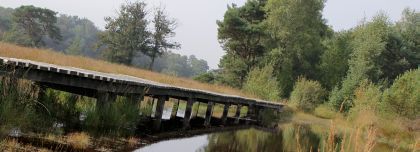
[307,94]
[260,82]
[403,97]
[367,98]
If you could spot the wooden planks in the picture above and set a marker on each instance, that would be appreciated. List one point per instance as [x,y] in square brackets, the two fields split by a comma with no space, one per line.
[72,77]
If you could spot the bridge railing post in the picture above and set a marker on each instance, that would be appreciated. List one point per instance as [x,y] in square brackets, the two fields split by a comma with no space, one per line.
[187,114]
[209,113]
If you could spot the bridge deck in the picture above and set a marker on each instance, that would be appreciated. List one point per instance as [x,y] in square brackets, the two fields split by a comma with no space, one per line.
[87,82]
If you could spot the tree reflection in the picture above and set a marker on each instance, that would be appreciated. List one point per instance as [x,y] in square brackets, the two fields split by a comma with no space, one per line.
[291,137]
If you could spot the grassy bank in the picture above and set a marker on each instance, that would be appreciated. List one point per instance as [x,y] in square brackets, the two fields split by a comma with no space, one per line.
[53,57]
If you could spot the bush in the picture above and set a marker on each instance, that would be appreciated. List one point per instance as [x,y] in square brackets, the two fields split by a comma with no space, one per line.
[307,94]
[260,82]
[367,97]
[208,77]
[403,97]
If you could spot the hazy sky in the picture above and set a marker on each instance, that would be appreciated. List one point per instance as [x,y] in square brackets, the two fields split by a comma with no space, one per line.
[197,29]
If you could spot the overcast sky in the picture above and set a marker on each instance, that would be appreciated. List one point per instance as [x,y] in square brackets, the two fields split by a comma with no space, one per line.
[197,29]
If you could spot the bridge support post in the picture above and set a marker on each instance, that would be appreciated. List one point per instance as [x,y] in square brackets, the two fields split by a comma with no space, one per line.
[103,105]
[250,113]
[225,113]
[159,111]
[209,113]
[238,113]
[196,111]
[175,109]
[104,100]
[257,114]
[135,99]
[187,115]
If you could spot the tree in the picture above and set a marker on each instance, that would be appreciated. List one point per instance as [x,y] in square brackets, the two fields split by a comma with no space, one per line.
[307,94]
[5,20]
[233,70]
[241,34]
[163,30]
[198,66]
[260,82]
[127,34]
[334,64]
[403,47]
[79,37]
[369,43]
[296,29]
[403,96]
[31,24]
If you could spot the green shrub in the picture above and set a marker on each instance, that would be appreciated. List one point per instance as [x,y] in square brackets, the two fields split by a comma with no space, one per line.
[208,77]
[260,82]
[403,97]
[367,104]
[117,118]
[307,94]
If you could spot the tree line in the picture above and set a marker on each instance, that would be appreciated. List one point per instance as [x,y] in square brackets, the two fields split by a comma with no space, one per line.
[130,38]
[284,49]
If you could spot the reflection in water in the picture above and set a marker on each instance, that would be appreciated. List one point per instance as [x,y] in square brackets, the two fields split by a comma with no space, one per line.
[248,140]
[290,138]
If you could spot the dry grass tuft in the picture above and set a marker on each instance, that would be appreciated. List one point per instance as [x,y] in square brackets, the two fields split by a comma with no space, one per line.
[132,141]
[78,140]
[52,57]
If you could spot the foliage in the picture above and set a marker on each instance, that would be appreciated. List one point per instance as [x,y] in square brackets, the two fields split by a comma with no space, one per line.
[233,70]
[79,36]
[402,48]
[5,20]
[367,98]
[403,96]
[16,106]
[208,77]
[31,24]
[296,30]
[368,44]
[241,34]
[307,94]
[126,34]
[174,64]
[334,60]
[117,118]
[159,41]
[260,82]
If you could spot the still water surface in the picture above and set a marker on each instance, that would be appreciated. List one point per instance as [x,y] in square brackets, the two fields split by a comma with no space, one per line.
[288,137]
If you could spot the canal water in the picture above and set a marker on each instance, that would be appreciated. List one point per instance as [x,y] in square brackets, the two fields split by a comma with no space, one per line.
[289,137]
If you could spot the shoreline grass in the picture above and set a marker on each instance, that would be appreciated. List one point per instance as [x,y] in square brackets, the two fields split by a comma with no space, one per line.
[53,57]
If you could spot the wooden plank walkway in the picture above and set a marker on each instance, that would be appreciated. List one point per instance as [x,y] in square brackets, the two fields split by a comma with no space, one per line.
[88,82]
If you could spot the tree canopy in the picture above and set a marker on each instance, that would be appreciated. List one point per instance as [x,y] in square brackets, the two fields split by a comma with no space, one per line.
[31,24]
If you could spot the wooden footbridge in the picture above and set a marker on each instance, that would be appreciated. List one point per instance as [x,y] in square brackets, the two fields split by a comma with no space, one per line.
[105,87]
